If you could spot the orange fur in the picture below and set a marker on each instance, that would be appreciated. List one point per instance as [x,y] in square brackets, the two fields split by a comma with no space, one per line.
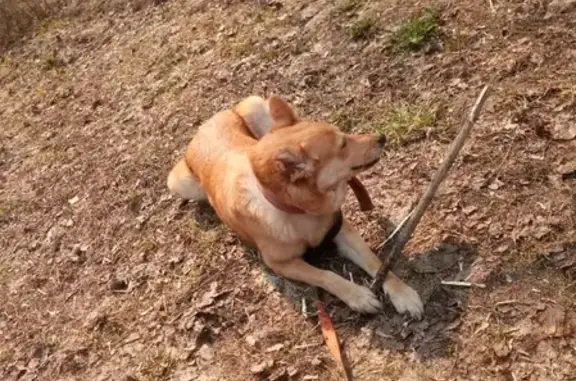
[305,165]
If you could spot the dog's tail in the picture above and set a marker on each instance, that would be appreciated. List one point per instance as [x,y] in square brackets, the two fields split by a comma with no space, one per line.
[256,113]
[183,182]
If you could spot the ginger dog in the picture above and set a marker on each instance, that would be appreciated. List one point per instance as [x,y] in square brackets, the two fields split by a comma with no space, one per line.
[279,182]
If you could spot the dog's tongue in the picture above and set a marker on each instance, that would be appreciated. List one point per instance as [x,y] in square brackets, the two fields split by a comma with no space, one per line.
[361,194]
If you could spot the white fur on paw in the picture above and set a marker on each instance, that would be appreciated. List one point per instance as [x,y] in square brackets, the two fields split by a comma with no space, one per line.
[363,300]
[406,299]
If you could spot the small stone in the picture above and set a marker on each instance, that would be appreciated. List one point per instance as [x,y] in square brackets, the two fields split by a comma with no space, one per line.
[251,340]
[501,350]
[316,361]
[68,223]
[564,131]
[495,185]
[206,352]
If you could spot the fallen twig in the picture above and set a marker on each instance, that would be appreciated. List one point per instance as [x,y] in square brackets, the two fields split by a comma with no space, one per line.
[492,6]
[331,340]
[396,230]
[405,233]
[462,284]
[506,302]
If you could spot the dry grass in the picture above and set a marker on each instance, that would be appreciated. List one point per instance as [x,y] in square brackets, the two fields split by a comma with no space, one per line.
[363,29]
[344,6]
[80,132]
[19,17]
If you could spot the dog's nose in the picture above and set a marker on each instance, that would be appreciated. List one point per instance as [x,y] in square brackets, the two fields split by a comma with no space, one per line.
[381,139]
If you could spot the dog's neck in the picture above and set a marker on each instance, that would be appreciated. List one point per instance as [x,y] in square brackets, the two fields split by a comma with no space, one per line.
[359,191]
[279,204]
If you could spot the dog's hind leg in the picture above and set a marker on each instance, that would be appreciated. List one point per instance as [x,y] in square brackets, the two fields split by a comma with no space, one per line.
[183,182]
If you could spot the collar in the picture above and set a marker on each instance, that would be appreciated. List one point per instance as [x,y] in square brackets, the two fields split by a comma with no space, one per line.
[361,194]
[274,200]
[359,191]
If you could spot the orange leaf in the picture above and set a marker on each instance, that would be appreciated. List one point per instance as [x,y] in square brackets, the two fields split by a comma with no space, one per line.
[331,339]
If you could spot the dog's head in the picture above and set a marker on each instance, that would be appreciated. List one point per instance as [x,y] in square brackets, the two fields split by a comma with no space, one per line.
[307,164]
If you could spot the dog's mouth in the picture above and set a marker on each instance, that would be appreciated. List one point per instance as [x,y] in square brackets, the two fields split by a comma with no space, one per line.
[365,166]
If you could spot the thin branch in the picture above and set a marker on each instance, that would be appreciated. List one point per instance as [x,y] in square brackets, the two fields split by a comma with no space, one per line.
[396,230]
[405,234]
[462,284]
[492,6]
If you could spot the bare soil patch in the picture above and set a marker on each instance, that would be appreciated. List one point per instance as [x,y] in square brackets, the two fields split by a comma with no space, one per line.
[104,276]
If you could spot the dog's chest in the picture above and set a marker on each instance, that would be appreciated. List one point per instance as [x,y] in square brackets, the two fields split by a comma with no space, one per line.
[293,228]
[277,224]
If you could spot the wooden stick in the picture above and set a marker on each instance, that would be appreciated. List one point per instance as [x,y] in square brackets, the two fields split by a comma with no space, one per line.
[405,234]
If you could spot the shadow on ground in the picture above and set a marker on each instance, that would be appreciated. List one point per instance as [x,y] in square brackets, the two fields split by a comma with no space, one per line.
[429,338]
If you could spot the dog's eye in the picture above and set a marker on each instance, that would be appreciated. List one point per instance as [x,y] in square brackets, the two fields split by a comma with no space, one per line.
[344,144]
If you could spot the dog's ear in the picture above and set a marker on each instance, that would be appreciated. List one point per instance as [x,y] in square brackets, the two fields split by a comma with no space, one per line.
[294,164]
[281,112]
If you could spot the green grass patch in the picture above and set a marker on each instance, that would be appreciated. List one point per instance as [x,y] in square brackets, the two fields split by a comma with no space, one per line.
[404,123]
[415,32]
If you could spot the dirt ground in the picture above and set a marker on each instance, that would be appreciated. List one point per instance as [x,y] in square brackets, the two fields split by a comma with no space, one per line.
[105,276]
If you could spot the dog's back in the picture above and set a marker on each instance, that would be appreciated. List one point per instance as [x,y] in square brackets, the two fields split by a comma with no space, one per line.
[225,134]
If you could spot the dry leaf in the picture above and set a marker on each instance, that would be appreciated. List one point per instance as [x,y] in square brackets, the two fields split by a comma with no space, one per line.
[262,367]
[208,297]
[565,131]
[278,375]
[292,371]
[552,320]
[331,338]
[541,232]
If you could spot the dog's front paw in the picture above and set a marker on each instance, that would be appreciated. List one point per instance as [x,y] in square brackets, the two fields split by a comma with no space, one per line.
[361,299]
[403,297]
